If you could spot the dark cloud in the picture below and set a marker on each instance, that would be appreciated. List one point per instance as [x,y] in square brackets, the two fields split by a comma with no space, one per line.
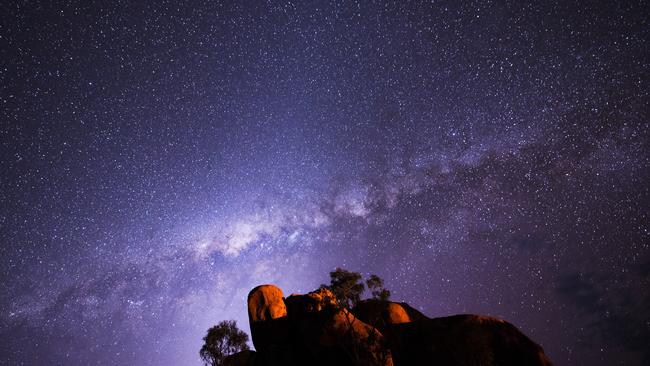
[617,317]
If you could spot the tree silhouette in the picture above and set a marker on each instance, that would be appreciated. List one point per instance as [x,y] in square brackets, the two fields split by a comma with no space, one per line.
[376,286]
[346,286]
[222,340]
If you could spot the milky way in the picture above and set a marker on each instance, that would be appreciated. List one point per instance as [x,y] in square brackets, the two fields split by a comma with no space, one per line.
[160,160]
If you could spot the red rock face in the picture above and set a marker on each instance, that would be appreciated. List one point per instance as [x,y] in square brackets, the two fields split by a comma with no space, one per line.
[266,302]
[267,317]
[312,302]
[381,314]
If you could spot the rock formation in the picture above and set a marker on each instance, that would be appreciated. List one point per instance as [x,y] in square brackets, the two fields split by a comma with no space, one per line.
[267,315]
[381,314]
[463,340]
[312,329]
[266,302]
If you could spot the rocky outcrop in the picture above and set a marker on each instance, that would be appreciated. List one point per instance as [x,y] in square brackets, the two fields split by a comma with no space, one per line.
[312,329]
[312,302]
[331,335]
[381,314]
[463,340]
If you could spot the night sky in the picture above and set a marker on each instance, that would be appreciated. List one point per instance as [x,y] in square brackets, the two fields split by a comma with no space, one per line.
[158,161]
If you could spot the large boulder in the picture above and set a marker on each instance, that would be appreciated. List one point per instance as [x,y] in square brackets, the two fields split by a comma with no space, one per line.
[463,340]
[381,314]
[267,315]
[312,302]
[413,314]
[266,302]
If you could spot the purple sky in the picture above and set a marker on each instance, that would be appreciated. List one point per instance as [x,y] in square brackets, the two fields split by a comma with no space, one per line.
[158,161]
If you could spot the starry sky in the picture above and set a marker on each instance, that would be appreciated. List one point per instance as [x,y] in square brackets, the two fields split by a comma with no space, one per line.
[161,159]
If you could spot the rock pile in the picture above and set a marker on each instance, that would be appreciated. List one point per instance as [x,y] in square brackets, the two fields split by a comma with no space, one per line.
[312,329]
